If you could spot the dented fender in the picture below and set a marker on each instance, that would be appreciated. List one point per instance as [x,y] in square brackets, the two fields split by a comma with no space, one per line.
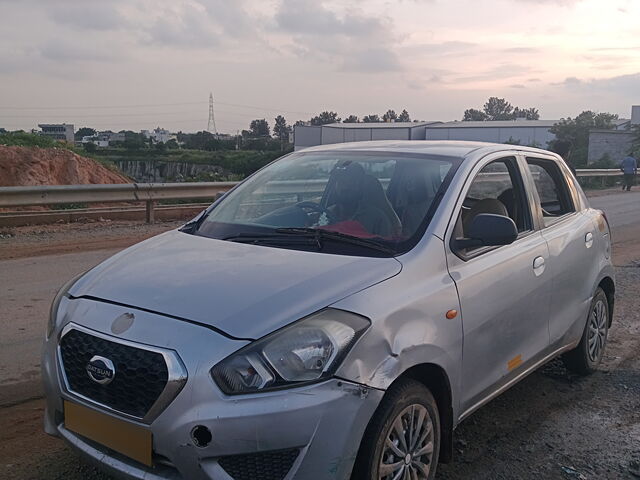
[409,324]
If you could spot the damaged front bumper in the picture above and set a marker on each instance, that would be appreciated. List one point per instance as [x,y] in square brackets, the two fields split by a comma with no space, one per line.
[309,432]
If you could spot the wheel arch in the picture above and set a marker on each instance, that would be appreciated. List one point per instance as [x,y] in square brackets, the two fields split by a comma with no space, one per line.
[435,378]
[609,287]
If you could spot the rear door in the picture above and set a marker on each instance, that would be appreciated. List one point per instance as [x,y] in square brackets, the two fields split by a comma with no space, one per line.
[504,291]
[570,235]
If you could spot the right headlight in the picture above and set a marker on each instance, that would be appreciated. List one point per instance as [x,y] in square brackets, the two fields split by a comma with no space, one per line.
[306,351]
[53,312]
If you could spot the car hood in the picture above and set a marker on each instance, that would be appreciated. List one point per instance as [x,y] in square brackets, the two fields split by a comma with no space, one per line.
[246,291]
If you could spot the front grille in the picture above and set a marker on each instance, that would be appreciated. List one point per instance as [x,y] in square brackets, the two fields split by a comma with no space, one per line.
[272,465]
[140,375]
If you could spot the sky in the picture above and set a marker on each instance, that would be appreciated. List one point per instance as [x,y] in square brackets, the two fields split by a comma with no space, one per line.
[139,64]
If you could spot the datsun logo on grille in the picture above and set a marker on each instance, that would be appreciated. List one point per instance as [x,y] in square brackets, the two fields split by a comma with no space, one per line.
[101,370]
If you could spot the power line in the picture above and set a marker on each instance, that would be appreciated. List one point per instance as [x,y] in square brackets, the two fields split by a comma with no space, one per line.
[93,107]
[109,115]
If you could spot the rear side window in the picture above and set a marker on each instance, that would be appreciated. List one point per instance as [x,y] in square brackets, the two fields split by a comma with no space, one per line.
[552,189]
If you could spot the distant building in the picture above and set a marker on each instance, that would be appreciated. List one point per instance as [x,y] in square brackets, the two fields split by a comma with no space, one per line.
[522,132]
[159,135]
[614,144]
[103,139]
[57,131]
[535,133]
[311,135]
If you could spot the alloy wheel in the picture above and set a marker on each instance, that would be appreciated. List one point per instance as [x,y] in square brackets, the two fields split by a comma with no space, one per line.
[597,336]
[408,448]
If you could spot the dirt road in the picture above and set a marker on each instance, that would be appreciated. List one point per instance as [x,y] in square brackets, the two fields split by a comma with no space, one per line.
[552,425]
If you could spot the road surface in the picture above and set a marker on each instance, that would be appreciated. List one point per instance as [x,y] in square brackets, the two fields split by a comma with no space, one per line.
[552,425]
[32,282]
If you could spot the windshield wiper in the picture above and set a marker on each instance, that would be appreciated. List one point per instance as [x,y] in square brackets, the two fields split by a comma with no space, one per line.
[273,239]
[321,234]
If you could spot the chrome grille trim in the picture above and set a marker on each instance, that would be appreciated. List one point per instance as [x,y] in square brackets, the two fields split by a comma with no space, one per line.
[177,374]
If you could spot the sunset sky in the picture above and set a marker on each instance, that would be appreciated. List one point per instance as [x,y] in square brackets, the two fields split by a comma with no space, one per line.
[138,64]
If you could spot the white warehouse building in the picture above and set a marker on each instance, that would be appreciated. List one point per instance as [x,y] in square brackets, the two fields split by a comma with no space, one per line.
[523,132]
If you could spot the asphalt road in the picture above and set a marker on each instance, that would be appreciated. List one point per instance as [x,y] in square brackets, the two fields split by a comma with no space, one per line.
[29,284]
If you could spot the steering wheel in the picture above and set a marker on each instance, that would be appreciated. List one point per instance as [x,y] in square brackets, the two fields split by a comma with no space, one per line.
[312,207]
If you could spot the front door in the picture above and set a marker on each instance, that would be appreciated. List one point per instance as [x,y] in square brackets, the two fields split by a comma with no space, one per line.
[504,291]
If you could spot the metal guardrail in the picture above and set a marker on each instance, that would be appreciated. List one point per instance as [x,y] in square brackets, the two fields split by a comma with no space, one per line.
[150,193]
[117,193]
[598,172]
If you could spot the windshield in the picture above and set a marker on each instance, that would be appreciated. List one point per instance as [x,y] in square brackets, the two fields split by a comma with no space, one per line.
[334,202]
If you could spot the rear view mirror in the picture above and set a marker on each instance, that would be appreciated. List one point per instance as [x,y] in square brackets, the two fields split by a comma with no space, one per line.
[488,230]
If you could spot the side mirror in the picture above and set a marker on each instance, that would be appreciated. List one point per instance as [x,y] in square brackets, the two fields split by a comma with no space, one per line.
[488,230]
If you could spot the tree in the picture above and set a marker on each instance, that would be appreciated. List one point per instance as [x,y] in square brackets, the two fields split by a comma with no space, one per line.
[134,141]
[635,142]
[373,118]
[351,119]
[527,113]
[84,132]
[325,118]
[390,116]
[499,109]
[404,116]
[474,115]
[281,129]
[89,147]
[572,135]
[259,128]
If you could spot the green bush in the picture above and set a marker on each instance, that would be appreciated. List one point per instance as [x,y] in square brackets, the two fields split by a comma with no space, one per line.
[24,139]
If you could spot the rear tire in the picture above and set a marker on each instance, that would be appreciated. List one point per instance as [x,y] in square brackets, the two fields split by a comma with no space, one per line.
[585,358]
[403,435]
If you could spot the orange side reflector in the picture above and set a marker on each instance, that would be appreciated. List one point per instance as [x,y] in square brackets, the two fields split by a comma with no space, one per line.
[515,362]
[124,437]
[451,314]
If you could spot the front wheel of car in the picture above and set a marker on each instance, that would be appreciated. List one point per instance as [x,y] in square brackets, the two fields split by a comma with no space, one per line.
[402,440]
[585,358]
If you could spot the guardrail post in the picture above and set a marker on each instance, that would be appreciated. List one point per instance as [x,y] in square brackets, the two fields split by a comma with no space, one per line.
[150,211]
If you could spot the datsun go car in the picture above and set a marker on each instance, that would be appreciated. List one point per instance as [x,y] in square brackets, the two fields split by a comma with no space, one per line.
[335,315]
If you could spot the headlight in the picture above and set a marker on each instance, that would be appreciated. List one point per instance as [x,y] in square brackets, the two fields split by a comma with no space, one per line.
[307,351]
[53,312]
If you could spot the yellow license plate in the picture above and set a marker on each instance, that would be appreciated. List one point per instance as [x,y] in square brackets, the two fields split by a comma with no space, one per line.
[126,438]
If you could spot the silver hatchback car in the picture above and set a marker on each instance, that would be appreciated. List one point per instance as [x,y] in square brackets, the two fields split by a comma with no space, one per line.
[335,315]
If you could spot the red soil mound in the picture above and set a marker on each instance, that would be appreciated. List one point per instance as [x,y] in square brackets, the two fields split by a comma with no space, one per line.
[24,166]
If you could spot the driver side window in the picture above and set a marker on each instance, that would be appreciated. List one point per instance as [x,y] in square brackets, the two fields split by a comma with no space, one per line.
[497,189]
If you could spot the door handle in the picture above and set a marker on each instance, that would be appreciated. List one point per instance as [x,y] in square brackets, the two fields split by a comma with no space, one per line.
[538,266]
[588,239]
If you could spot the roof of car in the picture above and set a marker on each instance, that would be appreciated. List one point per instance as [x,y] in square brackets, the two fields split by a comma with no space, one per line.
[446,148]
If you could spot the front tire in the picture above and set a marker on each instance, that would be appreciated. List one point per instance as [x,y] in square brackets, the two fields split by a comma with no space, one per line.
[585,358]
[402,439]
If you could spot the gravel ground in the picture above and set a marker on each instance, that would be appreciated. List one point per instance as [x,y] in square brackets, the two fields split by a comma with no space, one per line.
[552,425]
[31,241]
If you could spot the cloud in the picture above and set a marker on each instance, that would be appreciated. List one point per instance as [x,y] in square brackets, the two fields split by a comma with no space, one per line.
[188,28]
[371,60]
[352,41]
[564,3]
[309,17]
[87,15]
[618,85]
[517,85]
